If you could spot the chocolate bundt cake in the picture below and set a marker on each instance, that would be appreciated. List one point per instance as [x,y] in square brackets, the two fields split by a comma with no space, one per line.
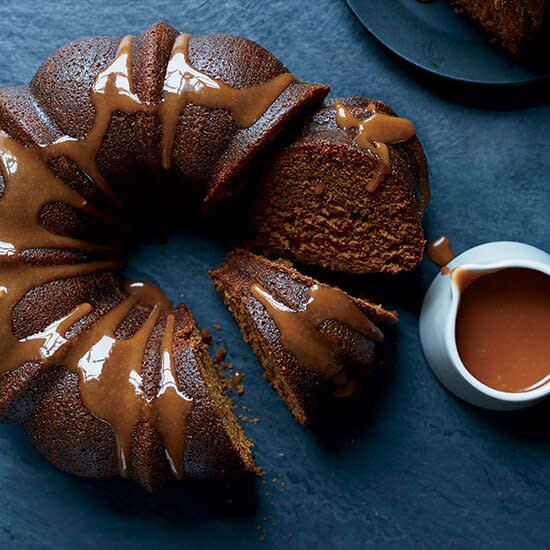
[313,340]
[108,378]
[347,193]
[510,23]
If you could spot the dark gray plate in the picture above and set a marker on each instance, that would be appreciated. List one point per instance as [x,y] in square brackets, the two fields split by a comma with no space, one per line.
[432,37]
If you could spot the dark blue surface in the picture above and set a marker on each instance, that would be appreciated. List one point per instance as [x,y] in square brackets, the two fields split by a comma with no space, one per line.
[414,467]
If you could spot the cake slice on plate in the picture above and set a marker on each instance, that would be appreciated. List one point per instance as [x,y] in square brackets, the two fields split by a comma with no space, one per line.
[510,23]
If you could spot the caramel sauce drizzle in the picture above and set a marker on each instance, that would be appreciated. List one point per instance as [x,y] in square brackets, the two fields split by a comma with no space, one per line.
[173,406]
[147,293]
[301,329]
[184,84]
[111,383]
[45,346]
[112,92]
[29,185]
[374,134]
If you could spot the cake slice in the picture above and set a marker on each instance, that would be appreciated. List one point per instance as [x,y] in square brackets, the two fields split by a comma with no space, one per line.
[347,194]
[313,341]
[510,23]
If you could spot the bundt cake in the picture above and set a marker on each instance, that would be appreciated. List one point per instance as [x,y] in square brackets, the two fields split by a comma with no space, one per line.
[108,378]
[313,341]
[510,23]
[347,193]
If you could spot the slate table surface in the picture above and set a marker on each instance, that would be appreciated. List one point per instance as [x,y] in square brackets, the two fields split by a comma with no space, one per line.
[404,464]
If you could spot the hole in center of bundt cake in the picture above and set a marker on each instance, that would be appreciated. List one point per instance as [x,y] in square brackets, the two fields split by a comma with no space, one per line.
[178,263]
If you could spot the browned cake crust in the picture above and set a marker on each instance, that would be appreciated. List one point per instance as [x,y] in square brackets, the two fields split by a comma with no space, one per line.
[509,23]
[304,391]
[209,152]
[312,204]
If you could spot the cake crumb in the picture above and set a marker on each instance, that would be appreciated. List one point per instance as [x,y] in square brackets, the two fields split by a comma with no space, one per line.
[217,326]
[254,421]
[235,383]
[206,336]
[221,354]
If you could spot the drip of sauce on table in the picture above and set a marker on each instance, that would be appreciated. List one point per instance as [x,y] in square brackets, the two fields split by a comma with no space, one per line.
[440,252]
[301,329]
[503,327]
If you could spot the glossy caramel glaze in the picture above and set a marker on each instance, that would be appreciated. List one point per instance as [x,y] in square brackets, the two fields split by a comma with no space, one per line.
[301,330]
[375,133]
[184,84]
[313,341]
[113,91]
[147,293]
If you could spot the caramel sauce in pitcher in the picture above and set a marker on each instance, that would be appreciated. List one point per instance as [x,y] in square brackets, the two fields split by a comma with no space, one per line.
[503,327]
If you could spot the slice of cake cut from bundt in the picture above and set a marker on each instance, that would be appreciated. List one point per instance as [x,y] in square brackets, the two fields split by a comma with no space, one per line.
[313,341]
[509,23]
[347,194]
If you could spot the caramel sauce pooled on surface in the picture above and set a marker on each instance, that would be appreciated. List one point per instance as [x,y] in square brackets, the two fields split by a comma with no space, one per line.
[503,328]
[440,252]
[375,133]
[184,84]
[301,330]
